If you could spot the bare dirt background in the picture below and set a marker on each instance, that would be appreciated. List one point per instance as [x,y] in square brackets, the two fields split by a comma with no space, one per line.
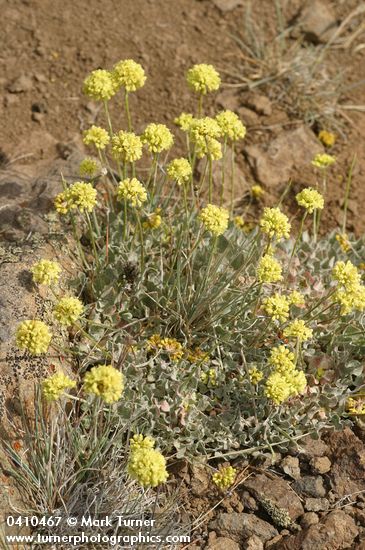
[48,46]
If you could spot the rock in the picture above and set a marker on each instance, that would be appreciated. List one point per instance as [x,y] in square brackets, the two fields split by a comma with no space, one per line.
[249,502]
[308,519]
[227,5]
[320,464]
[336,531]
[199,480]
[290,466]
[248,117]
[21,84]
[223,542]
[38,117]
[273,542]
[273,164]
[347,453]
[260,104]
[316,504]
[229,99]
[317,21]
[278,491]
[10,99]
[253,543]
[311,447]
[240,526]
[310,485]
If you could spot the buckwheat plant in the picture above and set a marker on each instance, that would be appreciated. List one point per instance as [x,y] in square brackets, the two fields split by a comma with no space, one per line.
[229,338]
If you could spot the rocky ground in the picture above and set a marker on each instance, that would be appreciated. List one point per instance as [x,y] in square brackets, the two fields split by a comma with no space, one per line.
[47,48]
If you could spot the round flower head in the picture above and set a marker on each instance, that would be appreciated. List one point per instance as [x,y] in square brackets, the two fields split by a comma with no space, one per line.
[132,191]
[277,307]
[179,170]
[350,300]
[327,138]
[225,477]
[96,136]
[214,218]
[157,137]
[46,272]
[322,160]
[104,381]
[148,467]
[34,336]
[61,203]
[343,241]
[68,310]
[139,441]
[126,146]
[310,199]
[184,121]
[296,298]
[129,75]
[204,128]
[81,195]
[269,270]
[54,386]
[298,329]
[277,388]
[274,223]
[99,85]
[208,146]
[347,275]
[255,375]
[154,220]
[203,78]
[89,167]
[282,359]
[257,191]
[230,125]
[297,381]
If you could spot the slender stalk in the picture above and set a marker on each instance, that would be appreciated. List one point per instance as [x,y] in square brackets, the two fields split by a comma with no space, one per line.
[108,118]
[141,239]
[347,193]
[210,164]
[125,220]
[299,236]
[91,233]
[200,106]
[126,102]
[223,170]
[232,178]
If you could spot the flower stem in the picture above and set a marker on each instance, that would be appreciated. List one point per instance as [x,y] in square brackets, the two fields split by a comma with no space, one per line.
[126,100]
[232,178]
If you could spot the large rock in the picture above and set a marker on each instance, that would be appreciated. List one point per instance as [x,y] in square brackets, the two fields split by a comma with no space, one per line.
[277,490]
[336,531]
[241,526]
[317,21]
[223,542]
[274,162]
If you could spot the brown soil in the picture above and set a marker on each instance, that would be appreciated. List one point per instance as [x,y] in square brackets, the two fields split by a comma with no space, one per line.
[54,44]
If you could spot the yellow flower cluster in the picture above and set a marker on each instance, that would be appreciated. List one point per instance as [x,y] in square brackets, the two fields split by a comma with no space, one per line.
[168,345]
[231,126]
[209,377]
[285,381]
[80,195]
[322,160]
[179,170]
[356,406]
[343,241]
[99,85]
[225,477]
[184,121]
[68,310]
[210,147]
[277,307]
[132,191]
[255,375]
[215,219]
[310,199]
[327,138]
[296,298]
[54,386]
[239,222]
[298,329]
[147,466]
[257,191]
[129,75]
[89,167]
[154,220]
[202,128]
[351,293]
[274,223]
[104,381]
[203,78]
[96,136]
[198,356]
[157,137]
[126,146]
[139,442]
[347,275]
[269,270]
[46,272]
[33,336]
